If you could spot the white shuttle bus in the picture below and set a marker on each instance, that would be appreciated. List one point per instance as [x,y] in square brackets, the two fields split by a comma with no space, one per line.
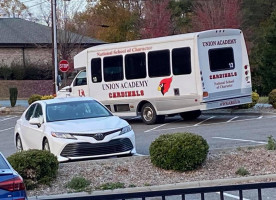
[180,74]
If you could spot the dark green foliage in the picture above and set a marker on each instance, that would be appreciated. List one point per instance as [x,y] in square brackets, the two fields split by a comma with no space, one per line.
[33,98]
[35,166]
[179,151]
[13,96]
[242,171]
[272,98]
[5,72]
[111,186]
[78,184]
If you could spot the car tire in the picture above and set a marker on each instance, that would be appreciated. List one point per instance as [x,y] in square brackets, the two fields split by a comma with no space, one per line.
[190,115]
[46,145]
[149,116]
[18,144]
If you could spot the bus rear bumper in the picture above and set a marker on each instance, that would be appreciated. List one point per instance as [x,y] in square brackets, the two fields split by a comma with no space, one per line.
[223,103]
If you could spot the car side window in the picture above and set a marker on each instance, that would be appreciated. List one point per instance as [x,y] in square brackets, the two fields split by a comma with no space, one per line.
[30,112]
[38,113]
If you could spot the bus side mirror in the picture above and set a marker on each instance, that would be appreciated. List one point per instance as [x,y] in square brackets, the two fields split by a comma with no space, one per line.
[69,89]
[59,83]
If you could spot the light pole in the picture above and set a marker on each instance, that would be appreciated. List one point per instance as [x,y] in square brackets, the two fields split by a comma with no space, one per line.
[54,44]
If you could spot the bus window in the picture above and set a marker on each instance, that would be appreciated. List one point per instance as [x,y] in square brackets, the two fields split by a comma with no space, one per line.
[221,59]
[81,79]
[135,66]
[181,61]
[113,68]
[96,71]
[159,63]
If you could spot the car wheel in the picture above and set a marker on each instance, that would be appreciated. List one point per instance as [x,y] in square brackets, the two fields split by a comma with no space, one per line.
[190,115]
[18,143]
[46,145]
[148,115]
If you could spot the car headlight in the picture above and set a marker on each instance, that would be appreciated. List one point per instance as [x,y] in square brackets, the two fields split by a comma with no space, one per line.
[63,135]
[125,129]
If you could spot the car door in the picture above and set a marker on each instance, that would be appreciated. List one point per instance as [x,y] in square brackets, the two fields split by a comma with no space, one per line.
[33,134]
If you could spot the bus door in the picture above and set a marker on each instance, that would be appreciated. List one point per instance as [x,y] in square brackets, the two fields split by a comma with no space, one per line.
[79,85]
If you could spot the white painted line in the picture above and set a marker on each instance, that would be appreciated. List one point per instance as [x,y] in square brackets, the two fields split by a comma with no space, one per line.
[260,117]
[242,140]
[241,120]
[7,118]
[204,121]
[161,126]
[232,119]
[6,129]
[232,196]
[154,128]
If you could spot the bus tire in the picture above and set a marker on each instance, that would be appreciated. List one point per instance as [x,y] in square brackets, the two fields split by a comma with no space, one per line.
[190,115]
[149,116]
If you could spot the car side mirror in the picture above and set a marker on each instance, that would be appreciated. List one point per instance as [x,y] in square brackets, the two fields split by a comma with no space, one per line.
[35,121]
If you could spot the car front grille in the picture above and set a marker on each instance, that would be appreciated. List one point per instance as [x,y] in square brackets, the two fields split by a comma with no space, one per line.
[95,149]
[97,136]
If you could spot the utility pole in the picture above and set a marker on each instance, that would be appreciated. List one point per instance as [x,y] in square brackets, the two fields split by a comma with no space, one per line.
[54,45]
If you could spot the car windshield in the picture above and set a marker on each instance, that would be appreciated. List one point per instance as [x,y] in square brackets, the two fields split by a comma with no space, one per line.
[75,110]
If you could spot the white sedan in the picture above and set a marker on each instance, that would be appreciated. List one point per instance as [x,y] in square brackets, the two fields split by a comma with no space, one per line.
[73,128]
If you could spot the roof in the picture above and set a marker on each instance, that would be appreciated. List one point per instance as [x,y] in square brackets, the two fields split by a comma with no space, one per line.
[20,32]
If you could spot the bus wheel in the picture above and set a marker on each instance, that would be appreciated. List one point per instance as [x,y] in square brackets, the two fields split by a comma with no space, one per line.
[190,115]
[149,116]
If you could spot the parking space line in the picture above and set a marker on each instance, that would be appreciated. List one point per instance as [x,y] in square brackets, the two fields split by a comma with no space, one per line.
[8,118]
[232,196]
[161,126]
[204,120]
[242,140]
[233,118]
[6,129]
[260,117]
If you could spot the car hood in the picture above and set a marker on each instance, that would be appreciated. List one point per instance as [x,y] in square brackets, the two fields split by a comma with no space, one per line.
[90,125]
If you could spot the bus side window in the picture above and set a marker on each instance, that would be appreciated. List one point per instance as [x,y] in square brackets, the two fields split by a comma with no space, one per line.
[135,66]
[113,68]
[81,79]
[181,61]
[159,63]
[96,70]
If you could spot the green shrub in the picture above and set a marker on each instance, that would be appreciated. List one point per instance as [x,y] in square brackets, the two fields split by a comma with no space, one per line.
[255,98]
[242,171]
[33,98]
[13,96]
[272,98]
[111,186]
[35,166]
[78,184]
[47,97]
[271,143]
[179,151]
[18,71]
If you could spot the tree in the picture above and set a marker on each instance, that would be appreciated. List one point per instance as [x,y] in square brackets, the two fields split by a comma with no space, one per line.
[181,15]
[15,8]
[157,19]
[111,21]
[267,55]
[215,14]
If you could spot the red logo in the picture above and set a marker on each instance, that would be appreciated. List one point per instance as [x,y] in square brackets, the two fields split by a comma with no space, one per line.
[165,85]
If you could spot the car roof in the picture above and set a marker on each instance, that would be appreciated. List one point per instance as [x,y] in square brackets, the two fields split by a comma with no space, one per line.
[65,99]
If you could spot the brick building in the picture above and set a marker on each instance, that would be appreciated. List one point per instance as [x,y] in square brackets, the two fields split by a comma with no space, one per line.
[24,41]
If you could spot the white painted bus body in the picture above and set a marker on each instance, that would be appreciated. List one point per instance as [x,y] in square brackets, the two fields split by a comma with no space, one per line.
[207,86]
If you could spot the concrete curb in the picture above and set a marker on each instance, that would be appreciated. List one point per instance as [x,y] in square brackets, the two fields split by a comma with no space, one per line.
[194,184]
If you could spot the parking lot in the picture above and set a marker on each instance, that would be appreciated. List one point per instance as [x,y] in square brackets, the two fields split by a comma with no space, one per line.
[222,131]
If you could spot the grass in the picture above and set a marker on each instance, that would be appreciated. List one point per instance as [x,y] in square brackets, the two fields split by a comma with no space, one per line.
[242,171]
[78,184]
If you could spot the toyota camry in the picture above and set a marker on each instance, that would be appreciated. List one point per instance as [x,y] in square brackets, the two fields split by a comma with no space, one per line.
[73,128]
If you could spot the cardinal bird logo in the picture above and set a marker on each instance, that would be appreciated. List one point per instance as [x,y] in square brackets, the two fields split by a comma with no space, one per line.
[165,85]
